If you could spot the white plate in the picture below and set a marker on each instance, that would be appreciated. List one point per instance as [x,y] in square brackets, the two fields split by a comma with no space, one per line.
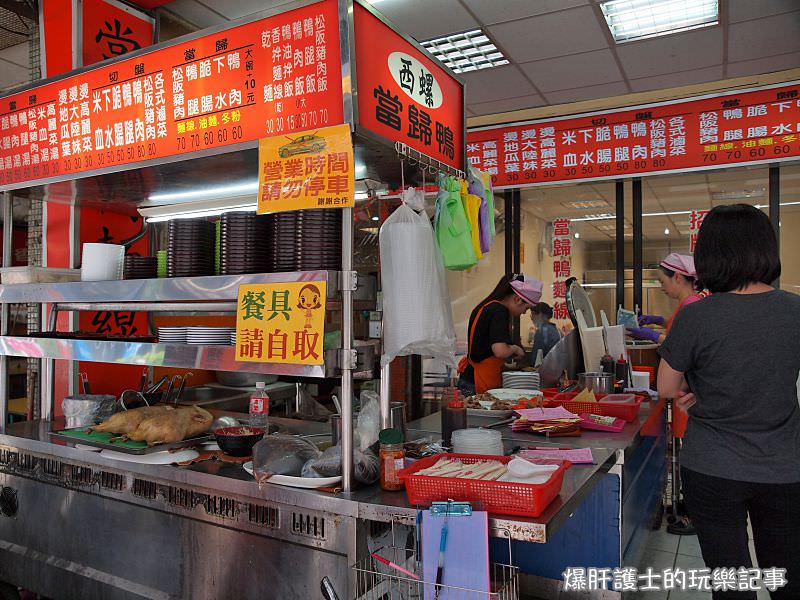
[298,482]
[156,458]
[87,448]
[513,394]
[496,414]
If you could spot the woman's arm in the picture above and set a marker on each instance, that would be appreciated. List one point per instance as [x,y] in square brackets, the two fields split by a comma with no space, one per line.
[672,384]
[504,351]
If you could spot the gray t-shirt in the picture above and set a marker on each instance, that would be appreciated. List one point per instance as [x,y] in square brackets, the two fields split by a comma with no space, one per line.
[740,354]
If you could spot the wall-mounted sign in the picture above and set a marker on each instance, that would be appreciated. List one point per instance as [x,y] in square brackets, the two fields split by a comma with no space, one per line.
[281,323]
[744,127]
[695,220]
[562,266]
[112,29]
[310,169]
[269,77]
[405,96]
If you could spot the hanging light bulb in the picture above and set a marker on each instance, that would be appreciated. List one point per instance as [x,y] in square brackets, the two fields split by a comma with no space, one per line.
[666,231]
[577,235]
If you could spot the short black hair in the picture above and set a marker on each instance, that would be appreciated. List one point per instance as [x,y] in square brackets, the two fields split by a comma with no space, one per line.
[736,246]
[543,308]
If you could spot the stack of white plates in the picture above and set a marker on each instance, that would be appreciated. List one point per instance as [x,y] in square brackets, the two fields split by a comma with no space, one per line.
[172,335]
[232,341]
[478,441]
[209,336]
[520,380]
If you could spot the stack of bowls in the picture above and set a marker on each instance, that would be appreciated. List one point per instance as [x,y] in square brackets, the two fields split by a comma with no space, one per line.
[140,267]
[190,245]
[521,380]
[478,441]
[305,240]
[243,243]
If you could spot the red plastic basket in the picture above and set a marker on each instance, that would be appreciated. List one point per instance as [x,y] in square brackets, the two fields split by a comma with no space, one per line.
[628,412]
[500,497]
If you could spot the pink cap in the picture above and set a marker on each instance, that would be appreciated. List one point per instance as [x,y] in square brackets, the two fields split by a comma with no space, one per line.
[529,289]
[680,263]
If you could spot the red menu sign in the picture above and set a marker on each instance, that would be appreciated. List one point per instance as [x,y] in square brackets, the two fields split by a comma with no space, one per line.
[269,77]
[112,29]
[739,128]
[405,96]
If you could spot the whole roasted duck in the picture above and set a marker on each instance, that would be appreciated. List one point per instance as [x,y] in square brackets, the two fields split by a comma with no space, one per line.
[127,421]
[172,426]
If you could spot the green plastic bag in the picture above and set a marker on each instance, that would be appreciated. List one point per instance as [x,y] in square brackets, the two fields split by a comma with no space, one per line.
[453,231]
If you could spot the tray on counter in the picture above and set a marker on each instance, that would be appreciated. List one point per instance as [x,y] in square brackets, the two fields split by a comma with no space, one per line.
[102,440]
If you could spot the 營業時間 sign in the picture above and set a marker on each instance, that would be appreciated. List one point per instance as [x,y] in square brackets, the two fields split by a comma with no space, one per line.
[737,128]
[405,96]
[272,76]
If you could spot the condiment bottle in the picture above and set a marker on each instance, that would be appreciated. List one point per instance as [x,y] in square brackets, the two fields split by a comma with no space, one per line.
[454,417]
[392,459]
[607,364]
[259,405]
[621,375]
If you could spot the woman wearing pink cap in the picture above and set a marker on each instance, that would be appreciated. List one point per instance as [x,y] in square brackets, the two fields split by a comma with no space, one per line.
[490,343]
[678,279]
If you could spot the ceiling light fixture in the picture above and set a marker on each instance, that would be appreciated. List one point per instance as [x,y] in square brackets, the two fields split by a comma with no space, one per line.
[630,20]
[197,210]
[666,231]
[206,193]
[577,235]
[376,218]
[468,51]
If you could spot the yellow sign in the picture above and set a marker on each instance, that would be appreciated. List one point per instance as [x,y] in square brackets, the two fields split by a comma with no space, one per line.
[281,323]
[311,169]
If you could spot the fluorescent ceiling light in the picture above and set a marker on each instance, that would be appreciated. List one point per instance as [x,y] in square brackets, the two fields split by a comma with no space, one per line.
[468,51]
[585,204]
[195,210]
[636,19]
[206,193]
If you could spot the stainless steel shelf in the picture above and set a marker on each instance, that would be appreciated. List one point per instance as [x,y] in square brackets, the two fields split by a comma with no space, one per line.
[182,356]
[169,289]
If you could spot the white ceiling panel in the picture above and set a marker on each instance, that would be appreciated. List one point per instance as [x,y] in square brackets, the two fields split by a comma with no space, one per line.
[196,13]
[12,75]
[426,19]
[764,37]
[242,8]
[589,92]
[659,82]
[18,54]
[507,104]
[510,10]
[672,53]
[745,10]
[494,84]
[588,68]
[764,65]
[554,34]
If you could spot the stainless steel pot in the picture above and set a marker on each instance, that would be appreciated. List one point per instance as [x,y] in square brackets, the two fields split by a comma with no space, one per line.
[600,383]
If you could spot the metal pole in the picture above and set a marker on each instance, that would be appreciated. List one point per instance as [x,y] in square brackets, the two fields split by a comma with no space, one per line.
[509,229]
[620,243]
[5,309]
[637,244]
[517,248]
[347,345]
[385,394]
[775,208]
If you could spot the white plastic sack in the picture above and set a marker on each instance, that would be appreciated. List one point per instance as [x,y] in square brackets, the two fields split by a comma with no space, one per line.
[418,318]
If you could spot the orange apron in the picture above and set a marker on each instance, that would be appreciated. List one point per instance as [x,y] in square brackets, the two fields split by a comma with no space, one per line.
[489,371]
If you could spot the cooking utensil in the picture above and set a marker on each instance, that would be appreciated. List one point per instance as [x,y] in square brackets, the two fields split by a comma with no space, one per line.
[599,383]
[85,381]
[144,380]
[154,388]
[183,385]
[221,422]
[168,393]
[498,423]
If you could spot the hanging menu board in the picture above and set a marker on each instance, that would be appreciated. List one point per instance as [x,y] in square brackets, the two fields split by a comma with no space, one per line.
[744,127]
[269,77]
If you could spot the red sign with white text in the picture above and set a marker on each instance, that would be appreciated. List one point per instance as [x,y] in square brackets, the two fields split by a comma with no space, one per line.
[112,29]
[405,96]
[269,77]
[743,127]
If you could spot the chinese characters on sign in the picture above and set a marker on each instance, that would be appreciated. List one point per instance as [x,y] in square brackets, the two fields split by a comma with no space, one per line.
[269,77]
[404,96]
[562,266]
[111,29]
[313,169]
[281,323]
[695,220]
[746,127]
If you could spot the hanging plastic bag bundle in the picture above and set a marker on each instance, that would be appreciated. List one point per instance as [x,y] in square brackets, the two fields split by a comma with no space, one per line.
[418,318]
[453,233]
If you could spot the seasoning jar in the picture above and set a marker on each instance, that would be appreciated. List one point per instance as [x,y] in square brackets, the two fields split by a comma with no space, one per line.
[392,459]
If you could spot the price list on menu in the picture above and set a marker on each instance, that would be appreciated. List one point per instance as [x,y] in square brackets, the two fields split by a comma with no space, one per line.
[746,127]
[270,77]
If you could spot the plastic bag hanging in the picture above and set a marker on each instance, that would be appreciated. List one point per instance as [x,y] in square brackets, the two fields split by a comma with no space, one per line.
[418,318]
[453,233]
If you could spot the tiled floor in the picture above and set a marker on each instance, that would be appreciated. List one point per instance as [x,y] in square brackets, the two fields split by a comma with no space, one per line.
[664,551]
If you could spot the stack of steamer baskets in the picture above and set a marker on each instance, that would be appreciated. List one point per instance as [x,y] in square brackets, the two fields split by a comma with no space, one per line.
[243,243]
[306,240]
[190,244]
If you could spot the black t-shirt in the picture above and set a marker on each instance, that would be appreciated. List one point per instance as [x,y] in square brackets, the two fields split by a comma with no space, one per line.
[740,354]
[494,327]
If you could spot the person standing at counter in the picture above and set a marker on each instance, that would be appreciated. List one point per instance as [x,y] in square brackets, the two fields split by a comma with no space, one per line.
[678,279]
[489,343]
[732,363]
[547,334]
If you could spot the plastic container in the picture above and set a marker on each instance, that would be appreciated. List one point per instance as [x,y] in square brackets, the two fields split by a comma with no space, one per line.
[101,262]
[392,459]
[259,406]
[454,417]
[649,370]
[623,410]
[499,497]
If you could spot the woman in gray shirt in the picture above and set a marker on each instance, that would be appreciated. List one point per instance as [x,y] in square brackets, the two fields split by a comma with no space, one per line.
[731,361]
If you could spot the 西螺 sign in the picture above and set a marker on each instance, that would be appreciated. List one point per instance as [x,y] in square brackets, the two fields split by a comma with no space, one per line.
[312,169]
[281,323]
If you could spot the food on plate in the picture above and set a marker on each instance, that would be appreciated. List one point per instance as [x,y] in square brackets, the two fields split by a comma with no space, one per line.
[502,405]
[488,470]
[172,426]
[586,395]
[127,421]
[475,401]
